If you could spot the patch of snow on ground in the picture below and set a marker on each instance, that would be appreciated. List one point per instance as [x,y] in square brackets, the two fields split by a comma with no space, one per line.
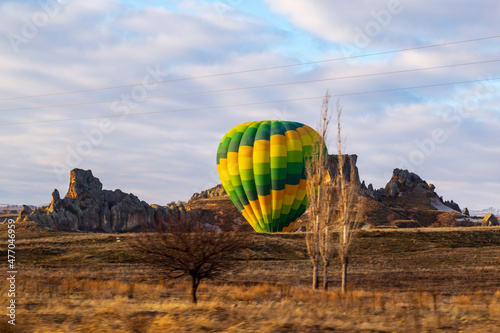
[477,220]
[441,206]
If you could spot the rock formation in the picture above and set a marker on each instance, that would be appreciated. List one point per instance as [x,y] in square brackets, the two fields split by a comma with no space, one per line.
[210,193]
[466,211]
[490,220]
[401,183]
[26,211]
[406,197]
[349,168]
[453,205]
[87,207]
[406,178]
[392,189]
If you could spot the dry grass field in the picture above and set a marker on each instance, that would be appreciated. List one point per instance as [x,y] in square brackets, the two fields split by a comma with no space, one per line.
[426,280]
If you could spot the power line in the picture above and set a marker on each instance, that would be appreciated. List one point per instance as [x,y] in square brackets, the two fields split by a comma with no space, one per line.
[257,69]
[255,87]
[249,104]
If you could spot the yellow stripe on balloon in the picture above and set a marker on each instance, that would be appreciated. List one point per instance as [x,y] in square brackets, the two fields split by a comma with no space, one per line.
[277,201]
[261,145]
[301,192]
[224,174]
[304,137]
[245,151]
[265,205]
[278,150]
[278,139]
[256,209]
[293,140]
[289,198]
[261,151]
[277,195]
[256,227]
[232,163]
[250,212]
[245,162]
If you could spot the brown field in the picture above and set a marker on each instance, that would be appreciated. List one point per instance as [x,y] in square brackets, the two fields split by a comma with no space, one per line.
[424,280]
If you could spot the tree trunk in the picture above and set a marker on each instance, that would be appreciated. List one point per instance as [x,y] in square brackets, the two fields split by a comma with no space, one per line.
[317,240]
[345,262]
[315,281]
[194,288]
[326,264]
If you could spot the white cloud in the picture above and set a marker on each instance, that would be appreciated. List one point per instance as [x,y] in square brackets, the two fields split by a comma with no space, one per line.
[390,23]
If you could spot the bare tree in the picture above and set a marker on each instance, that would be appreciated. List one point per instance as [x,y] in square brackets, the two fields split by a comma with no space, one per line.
[333,202]
[327,248]
[189,249]
[319,233]
[345,203]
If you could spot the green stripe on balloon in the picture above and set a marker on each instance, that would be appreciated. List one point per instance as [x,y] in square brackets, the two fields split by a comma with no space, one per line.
[252,172]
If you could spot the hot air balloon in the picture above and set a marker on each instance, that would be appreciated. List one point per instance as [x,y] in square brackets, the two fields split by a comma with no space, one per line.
[261,166]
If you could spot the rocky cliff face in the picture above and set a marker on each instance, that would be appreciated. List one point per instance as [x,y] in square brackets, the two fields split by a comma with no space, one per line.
[87,207]
[215,191]
[403,183]
[349,168]
[407,197]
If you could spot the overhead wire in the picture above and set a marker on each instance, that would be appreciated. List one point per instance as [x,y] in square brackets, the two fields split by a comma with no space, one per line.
[253,87]
[256,69]
[249,104]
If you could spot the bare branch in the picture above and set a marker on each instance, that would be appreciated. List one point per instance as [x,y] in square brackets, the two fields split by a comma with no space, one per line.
[189,249]
[318,237]
[346,203]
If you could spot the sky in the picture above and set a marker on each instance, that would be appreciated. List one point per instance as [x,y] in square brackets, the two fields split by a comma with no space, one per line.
[78,89]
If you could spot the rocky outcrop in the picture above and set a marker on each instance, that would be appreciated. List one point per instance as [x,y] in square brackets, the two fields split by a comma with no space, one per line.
[405,197]
[348,165]
[391,189]
[409,187]
[26,211]
[466,212]
[87,207]
[490,220]
[453,205]
[407,178]
[402,181]
[215,191]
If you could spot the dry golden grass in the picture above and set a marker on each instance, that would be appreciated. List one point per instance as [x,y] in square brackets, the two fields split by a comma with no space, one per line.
[442,280]
[88,305]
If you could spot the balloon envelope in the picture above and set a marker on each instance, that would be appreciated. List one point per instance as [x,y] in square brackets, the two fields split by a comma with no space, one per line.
[261,166]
